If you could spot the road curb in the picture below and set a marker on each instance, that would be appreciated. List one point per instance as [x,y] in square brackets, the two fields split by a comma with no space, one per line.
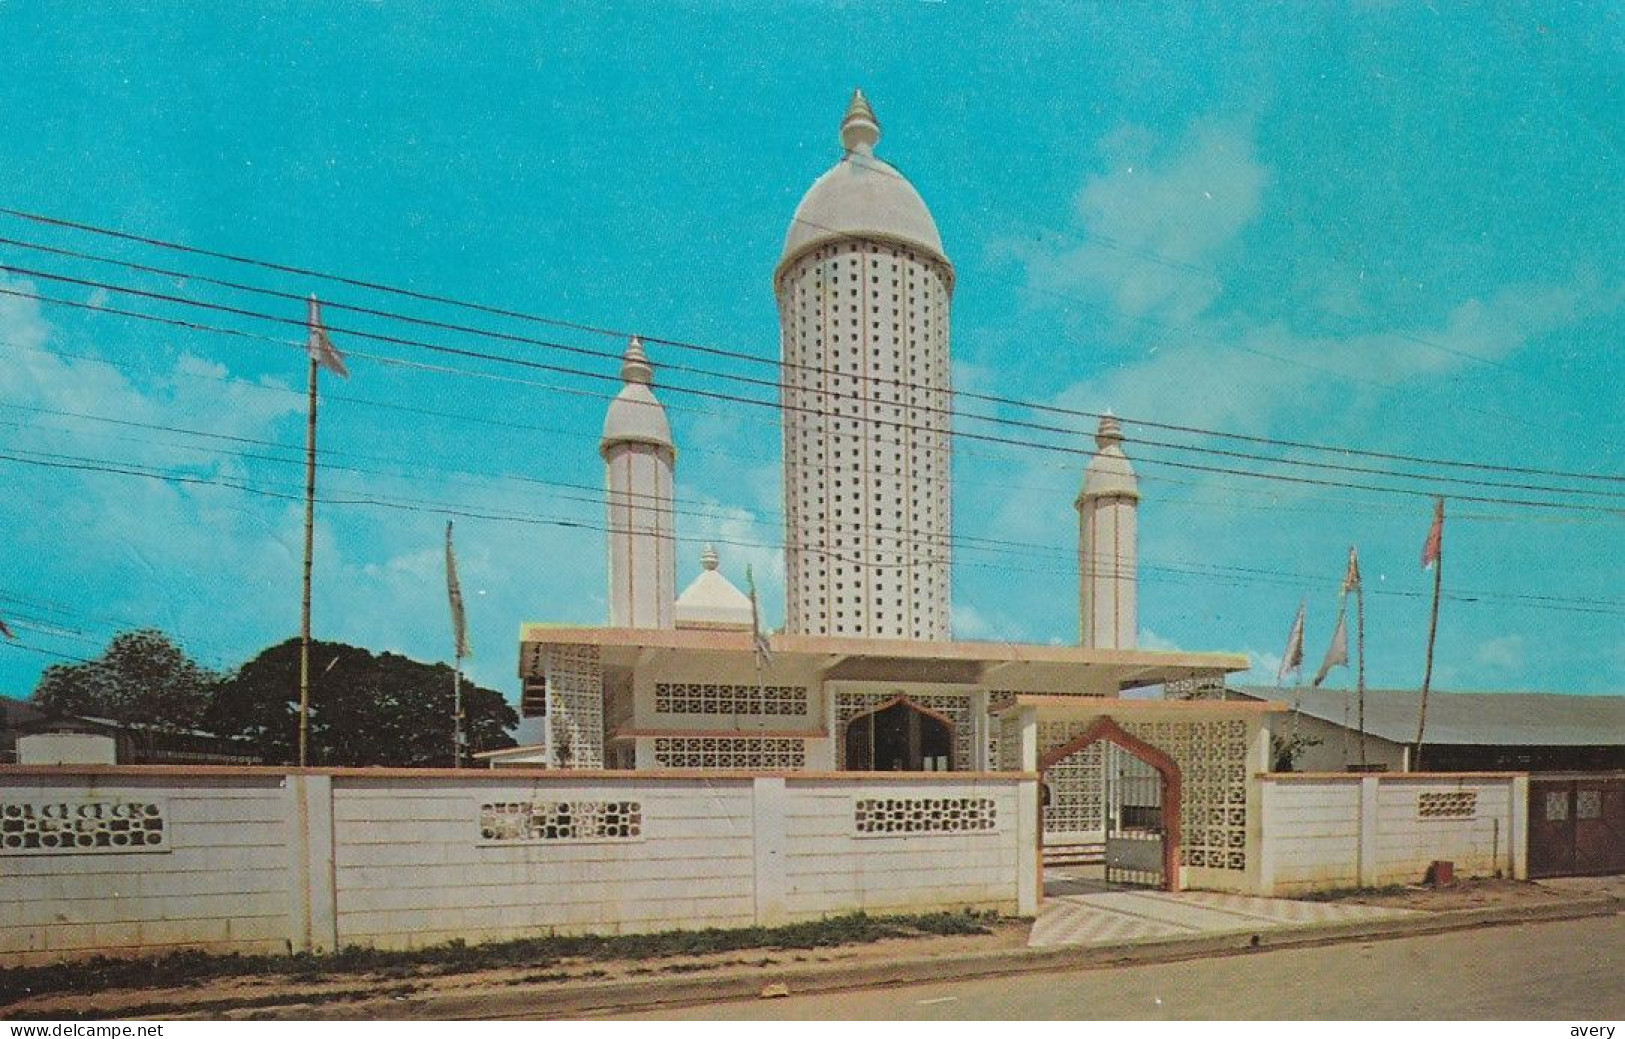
[596,999]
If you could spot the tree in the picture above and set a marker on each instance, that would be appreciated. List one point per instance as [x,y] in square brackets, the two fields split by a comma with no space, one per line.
[1286,750]
[365,709]
[142,680]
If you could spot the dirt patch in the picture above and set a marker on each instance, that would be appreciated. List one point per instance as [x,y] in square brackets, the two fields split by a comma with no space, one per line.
[1483,893]
[388,993]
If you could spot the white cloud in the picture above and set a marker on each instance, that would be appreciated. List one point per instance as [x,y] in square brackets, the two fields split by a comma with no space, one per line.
[1262,669]
[1151,225]
[1151,640]
[980,625]
[1505,653]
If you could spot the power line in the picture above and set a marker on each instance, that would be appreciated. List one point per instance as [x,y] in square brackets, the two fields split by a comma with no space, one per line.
[1343,505]
[718,351]
[460,510]
[599,497]
[781,406]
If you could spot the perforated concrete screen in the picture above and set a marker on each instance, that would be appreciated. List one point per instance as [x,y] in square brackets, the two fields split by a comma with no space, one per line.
[866,447]
[755,753]
[707,698]
[1212,759]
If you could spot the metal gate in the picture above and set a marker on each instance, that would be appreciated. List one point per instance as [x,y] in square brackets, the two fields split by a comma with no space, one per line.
[1576,825]
[1133,810]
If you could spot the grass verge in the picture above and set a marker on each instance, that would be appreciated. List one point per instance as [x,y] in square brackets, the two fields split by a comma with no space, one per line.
[181,969]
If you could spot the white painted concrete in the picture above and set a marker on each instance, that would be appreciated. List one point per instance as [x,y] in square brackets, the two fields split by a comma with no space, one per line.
[254,860]
[66,748]
[1328,831]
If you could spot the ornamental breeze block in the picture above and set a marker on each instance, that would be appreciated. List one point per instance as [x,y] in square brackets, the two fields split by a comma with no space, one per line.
[80,827]
[533,822]
[902,816]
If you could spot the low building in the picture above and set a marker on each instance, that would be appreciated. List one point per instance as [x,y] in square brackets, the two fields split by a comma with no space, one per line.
[1466,732]
[14,714]
[38,737]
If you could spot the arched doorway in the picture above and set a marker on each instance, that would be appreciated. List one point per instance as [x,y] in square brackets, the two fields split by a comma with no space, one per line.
[899,736]
[1142,829]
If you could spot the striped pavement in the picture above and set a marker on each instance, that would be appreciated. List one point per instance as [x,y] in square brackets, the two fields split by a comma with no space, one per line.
[1077,912]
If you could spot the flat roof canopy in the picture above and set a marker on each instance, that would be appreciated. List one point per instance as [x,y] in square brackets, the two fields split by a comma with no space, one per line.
[996,664]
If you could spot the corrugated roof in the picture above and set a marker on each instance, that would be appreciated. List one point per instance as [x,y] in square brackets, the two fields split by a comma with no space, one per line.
[1469,719]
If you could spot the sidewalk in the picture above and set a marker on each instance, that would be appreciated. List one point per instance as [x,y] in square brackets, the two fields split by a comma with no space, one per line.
[1186,926]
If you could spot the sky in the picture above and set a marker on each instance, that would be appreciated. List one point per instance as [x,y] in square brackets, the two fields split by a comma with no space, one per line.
[1388,227]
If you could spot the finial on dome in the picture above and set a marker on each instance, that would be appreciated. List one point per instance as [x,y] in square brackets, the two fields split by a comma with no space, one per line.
[1110,431]
[859,130]
[708,558]
[635,364]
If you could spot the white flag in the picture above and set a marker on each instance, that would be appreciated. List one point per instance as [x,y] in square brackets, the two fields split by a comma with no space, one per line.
[319,346]
[454,593]
[764,655]
[1292,659]
[1337,654]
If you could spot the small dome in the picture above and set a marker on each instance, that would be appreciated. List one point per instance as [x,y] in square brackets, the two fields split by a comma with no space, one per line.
[712,601]
[1109,473]
[634,415]
[861,196]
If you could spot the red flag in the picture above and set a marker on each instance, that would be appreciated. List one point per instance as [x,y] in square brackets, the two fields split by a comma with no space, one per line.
[1430,550]
[1351,576]
[320,347]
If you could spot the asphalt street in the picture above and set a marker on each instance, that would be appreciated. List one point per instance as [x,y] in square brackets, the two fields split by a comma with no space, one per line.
[1570,970]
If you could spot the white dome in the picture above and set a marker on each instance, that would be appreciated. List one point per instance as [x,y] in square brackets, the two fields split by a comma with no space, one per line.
[1109,473]
[861,196]
[634,416]
[712,601]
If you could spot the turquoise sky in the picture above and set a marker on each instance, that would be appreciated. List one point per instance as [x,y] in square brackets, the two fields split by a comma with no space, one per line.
[1394,227]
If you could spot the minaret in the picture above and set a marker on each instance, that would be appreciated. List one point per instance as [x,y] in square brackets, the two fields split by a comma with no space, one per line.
[639,460]
[1107,508]
[863,290]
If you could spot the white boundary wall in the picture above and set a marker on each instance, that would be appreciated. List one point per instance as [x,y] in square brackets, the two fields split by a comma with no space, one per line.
[271,860]
[1325,831]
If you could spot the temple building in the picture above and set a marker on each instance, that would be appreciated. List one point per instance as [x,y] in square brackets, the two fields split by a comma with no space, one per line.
[865,675]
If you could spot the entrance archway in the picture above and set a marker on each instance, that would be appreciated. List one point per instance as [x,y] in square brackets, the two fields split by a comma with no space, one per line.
[1167,769]
[899,736]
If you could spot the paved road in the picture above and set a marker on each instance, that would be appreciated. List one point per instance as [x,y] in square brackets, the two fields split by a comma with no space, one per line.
[1572,970]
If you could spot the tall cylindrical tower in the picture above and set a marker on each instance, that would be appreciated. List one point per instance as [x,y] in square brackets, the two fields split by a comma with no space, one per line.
[863,291]
[639,460]
[1107,548]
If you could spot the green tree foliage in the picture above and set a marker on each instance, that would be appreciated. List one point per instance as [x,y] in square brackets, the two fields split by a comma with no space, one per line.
[365,708]
[142,680]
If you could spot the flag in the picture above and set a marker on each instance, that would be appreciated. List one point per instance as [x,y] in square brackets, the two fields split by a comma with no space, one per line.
[1351,576]
[1292,659]
[764,655]
[1430,550]
[454,592]
[320,347]
[1337,654]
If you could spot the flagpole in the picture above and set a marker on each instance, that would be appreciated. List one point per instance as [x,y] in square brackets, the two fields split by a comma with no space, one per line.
[1427,669]
[457,713]
[310,543]
[1359,642]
